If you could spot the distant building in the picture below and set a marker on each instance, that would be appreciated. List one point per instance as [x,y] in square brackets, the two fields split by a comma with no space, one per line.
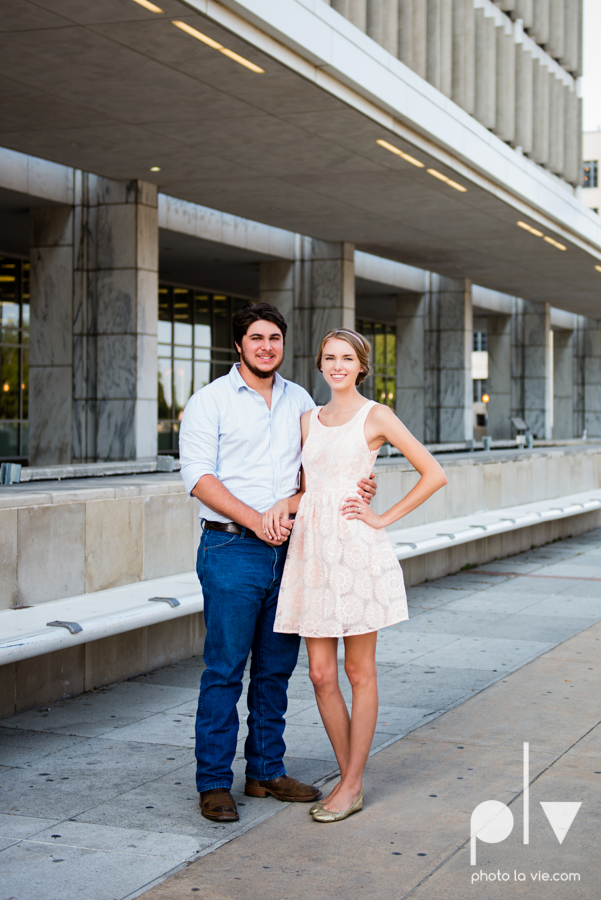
[591,169]
[410,168]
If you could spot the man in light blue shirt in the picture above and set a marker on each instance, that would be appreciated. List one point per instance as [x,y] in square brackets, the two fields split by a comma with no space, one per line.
[240,452]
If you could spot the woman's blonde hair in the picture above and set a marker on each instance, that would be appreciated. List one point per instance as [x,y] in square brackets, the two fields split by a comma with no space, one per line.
[357,342]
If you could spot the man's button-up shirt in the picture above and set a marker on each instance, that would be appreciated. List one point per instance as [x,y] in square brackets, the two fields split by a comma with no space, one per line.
[228,431]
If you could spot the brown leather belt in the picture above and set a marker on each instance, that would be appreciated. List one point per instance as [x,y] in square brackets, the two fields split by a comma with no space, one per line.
[230,527]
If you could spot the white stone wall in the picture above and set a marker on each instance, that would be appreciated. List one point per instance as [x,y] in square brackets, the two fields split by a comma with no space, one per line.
[57,542]
[69,539]
[475,486]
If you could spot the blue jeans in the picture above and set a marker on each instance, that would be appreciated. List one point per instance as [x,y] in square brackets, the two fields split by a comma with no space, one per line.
[240,578]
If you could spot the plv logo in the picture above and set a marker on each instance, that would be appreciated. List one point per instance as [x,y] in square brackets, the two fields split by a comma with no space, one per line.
[492,821]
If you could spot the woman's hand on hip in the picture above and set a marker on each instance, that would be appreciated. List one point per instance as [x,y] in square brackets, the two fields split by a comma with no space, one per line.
[356,508]
[276,524]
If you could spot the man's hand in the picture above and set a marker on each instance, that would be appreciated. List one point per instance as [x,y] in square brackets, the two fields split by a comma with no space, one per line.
[366,493]
[367,488]
[276,523]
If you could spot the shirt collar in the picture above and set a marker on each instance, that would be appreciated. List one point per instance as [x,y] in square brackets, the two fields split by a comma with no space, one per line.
[238,382]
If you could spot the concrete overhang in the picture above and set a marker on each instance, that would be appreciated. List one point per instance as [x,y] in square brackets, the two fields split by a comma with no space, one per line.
[115,89]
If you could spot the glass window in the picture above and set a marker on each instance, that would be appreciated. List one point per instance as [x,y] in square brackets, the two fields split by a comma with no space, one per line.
[479,345]
[590,175]
[165,388]
[14,357]
[480,340]
[195,347]
[380,385]
[182,316]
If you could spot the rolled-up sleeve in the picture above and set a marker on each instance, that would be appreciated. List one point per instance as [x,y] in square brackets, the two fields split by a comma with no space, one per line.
[199,439]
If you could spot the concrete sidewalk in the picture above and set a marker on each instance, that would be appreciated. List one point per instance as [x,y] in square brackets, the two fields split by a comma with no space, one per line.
[98,797]
[411,839]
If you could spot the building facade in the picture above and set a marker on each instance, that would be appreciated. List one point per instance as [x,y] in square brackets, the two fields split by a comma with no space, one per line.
[408,168]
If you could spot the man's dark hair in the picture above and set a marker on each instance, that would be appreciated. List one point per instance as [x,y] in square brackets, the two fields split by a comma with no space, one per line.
[253,312]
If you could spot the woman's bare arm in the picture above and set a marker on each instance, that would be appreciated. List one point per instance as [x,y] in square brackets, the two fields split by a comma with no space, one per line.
[382,425]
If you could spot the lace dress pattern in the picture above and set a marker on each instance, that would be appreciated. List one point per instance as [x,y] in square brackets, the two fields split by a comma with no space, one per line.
[341,576]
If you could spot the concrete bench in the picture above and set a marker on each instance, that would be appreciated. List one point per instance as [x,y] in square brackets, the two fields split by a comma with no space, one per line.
[421,539]
[36,630]
[26,633]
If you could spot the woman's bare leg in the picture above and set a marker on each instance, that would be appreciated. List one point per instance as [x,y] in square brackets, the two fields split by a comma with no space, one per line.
[323,671]
[360,666]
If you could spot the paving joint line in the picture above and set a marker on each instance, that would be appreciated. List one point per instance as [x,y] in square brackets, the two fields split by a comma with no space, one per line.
[533,575]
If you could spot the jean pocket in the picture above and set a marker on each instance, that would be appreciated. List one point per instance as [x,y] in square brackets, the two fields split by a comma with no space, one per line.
[220,539]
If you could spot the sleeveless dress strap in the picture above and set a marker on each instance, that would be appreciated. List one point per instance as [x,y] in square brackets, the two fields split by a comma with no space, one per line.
[313,419]
[364,412]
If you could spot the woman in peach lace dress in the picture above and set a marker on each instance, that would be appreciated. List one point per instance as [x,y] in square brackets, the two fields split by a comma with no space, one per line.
[342,578]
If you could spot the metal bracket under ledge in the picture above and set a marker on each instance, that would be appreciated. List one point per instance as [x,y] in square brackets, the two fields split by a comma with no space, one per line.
[170,600]
[73,627]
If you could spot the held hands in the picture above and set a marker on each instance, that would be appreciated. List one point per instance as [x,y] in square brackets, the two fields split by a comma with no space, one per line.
[276,524]
[357,508]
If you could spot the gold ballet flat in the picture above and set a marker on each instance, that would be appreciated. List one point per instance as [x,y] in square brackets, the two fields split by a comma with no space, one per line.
[326,815]
[316,806]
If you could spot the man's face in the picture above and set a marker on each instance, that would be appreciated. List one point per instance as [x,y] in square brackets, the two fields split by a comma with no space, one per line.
[262,349]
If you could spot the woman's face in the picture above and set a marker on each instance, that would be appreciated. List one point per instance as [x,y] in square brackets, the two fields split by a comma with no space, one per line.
[340,364]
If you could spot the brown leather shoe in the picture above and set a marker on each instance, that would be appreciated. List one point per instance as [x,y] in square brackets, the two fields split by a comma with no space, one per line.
[283,788]
[218,805]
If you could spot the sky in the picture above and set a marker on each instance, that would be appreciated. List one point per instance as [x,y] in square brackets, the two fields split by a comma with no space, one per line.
[591,79]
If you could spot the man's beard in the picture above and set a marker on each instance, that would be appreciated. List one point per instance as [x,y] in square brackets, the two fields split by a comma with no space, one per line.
[259,372]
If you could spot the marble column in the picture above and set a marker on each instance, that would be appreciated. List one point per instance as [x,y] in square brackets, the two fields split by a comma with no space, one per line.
[353,10]
[51,336]
[523,98]
[524,10]
[382,23]
[115,320]
[592,377]
[540,124]
[463,62]
[572,135]
[411,318]
[556,44]
[541,21]
[449,341]
[556,126]
[277,286]
[332,300]
[505,86]
[486,55]
[412,34]
[439,45]
[499,376]
[572,32]
[563,384]
[94,273]
[532,373]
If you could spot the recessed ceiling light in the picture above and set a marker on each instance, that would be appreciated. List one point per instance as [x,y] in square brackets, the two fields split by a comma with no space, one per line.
[441,177]
[155,168]
[529,228]
[397,152]
[555,243]
[148,5]
[598,268]
[193,32]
